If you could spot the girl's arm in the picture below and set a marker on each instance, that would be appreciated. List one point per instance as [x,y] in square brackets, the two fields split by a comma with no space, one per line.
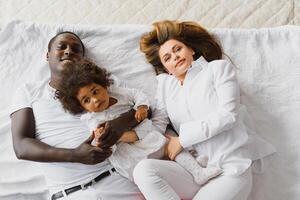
[129,137]
[227,90]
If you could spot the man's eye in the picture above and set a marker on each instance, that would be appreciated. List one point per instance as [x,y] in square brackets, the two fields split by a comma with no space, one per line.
[76,49]
[62,46]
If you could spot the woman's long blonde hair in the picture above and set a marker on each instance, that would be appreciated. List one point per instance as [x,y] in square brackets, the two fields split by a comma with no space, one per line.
[189,33]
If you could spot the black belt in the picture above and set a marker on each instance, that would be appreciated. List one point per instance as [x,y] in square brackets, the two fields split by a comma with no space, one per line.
[79,187]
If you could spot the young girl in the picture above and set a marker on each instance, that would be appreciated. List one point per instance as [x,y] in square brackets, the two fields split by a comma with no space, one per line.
[200,94]
[87,89]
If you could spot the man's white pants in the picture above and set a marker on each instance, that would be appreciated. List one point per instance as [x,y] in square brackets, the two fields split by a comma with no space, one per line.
[167,180]
[113,187]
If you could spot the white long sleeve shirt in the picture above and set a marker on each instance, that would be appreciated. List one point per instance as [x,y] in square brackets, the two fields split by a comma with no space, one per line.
[207,114]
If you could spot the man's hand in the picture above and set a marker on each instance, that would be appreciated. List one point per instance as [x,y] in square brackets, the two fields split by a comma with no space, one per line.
[114,129]
[141,113]
[173,147]
[88,154]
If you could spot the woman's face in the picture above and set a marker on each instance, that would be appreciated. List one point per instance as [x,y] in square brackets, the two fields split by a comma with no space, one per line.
[93,98]
[176,57]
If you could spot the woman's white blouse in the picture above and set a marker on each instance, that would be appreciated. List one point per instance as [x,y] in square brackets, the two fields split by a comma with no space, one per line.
[207,114]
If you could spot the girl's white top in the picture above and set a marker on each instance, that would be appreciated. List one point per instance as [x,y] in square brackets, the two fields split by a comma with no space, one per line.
[125,156]
[207,113]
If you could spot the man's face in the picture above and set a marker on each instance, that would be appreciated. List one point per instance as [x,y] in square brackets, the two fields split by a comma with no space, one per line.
[65,48]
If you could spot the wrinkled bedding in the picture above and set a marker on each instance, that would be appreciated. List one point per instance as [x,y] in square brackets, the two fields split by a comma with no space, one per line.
[268,62]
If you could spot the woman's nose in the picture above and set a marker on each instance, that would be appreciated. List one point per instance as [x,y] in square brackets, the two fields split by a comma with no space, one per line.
[176,57]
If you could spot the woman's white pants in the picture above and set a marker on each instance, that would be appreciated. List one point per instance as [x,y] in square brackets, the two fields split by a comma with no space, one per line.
[167,180]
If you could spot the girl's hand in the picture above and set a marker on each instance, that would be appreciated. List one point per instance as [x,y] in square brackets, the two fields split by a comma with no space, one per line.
[173,147]
[97,133]
[141,113]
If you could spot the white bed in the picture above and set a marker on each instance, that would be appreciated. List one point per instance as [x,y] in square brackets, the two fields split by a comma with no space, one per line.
[268,60]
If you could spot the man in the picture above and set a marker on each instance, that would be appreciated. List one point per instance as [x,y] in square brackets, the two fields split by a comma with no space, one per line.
[42,131]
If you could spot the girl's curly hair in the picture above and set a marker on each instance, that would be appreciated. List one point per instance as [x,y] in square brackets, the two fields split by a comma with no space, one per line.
[78,75]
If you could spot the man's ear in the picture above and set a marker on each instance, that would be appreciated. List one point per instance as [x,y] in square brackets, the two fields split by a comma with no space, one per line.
[47,56]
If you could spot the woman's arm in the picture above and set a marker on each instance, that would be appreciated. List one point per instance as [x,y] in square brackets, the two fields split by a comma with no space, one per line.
[227,90]
[27,147]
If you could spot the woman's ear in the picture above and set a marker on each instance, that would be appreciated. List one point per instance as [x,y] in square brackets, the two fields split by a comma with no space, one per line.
[47,56]
[193,52]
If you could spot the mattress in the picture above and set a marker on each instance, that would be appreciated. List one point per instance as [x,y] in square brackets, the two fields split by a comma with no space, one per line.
[211,14]
[268,61]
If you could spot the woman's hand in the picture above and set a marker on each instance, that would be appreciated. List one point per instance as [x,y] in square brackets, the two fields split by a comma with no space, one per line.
[173,147]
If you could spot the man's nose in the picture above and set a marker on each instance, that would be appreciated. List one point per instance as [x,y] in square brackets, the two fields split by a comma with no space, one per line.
[68,51]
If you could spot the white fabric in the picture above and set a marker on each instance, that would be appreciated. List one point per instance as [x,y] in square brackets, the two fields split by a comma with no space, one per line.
[267,62]
[125,156]
[166,180]
[206,112]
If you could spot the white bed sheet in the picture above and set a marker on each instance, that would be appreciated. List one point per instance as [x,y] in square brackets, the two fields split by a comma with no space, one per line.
[268,62]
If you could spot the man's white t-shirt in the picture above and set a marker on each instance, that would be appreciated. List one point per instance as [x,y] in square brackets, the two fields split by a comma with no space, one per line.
[60,129]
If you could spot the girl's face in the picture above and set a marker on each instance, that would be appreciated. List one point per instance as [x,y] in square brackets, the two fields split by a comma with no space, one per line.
[176,57]
[93,98]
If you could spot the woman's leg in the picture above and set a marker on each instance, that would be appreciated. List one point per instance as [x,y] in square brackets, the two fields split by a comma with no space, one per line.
[227,188]
[164,180]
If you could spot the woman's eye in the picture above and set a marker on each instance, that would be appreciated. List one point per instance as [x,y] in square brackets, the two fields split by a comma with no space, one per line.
[178,49]
[167,59]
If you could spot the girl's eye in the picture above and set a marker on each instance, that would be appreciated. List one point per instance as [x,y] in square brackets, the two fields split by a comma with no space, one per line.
[86,100]
[95,91]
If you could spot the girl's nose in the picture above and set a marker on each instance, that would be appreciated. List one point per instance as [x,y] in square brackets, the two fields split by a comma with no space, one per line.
[95,100]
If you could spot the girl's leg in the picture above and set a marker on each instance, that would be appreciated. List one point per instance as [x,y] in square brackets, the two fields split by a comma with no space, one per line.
[227,188]
[201,175]
[164,180]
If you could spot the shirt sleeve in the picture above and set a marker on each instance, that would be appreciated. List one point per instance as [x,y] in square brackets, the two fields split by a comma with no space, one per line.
[143,128]
[139,98]
[118,82]
[160,118]
[21,99]
[227,90]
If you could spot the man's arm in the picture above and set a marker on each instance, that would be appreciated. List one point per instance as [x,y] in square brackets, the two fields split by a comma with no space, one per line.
[27,147]
[114,129]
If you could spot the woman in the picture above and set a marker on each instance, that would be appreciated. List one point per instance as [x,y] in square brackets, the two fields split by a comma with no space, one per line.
[200,94]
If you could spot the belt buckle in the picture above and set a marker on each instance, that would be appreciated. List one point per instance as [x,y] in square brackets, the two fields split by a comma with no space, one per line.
[83,187]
